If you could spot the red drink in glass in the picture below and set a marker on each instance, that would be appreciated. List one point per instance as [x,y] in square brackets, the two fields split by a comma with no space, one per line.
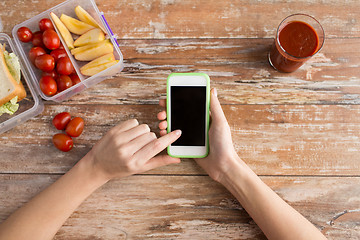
[298,38]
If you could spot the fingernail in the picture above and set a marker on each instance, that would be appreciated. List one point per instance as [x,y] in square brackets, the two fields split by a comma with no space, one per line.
[215,92]
[178,132]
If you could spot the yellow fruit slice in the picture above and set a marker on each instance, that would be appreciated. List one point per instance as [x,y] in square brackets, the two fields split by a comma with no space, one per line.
[93,36]
[74,25]
[84,16]
[90,52]
[66,35]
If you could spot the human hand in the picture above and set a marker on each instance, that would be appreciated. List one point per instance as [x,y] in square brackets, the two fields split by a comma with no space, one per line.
[130,148]
[221,153]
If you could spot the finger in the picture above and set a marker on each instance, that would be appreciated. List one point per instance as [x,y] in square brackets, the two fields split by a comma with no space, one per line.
[134,133]
[161,115]
[139,142]
[159,161]
[217,113]
[162,103]
[125,126]
[163,133]
[163,125]
[156,146]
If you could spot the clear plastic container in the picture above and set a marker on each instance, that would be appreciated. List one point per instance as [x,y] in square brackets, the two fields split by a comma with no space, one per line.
[32,105]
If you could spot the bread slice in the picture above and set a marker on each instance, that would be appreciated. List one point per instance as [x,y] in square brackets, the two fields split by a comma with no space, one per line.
[9,87]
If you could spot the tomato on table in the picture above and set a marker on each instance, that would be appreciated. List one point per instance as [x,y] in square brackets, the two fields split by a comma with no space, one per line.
[75,127]
[63,142]
[61,120]
[48,85]
[24,34]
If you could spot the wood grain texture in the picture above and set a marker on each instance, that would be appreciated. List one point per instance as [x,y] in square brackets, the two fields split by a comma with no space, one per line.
[272,139]
[238,68]
[202,18]
[192,207]
[299,131]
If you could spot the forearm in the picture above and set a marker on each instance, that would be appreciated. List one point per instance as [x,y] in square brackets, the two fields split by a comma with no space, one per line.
[273,215]
[42,216]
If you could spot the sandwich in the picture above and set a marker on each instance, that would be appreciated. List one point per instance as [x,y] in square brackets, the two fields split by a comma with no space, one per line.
[12,90]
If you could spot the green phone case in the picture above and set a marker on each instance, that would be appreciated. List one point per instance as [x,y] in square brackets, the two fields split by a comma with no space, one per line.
[207,112]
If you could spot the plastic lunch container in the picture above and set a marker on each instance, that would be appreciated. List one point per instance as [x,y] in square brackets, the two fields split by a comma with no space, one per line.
[33,105]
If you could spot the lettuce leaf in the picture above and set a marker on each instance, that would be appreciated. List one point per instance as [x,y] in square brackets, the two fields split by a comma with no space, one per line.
[10,107]
[12,61]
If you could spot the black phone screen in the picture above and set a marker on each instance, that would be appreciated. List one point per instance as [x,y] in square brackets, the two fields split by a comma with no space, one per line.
[188,109]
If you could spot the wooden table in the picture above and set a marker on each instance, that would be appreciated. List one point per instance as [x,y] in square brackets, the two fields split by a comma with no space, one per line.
[300,132]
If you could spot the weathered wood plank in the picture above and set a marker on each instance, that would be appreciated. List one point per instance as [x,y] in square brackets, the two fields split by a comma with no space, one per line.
[272,139]
[237,67]
[202,18]
[144,207]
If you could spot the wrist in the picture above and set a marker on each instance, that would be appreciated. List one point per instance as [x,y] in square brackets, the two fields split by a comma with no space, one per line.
[237,172]
[90,171]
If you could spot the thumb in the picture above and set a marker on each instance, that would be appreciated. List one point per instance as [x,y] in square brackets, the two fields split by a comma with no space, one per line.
[217,113]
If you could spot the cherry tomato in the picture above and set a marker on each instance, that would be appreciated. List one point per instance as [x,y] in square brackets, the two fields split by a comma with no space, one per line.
[61,120]
[74,78]
[35,52]
[52,74]
[51,40]
[24,34]
[37,40]
[64,66]
[63,142]
[63,82]
[58,53]
[61,46]
[75,127]
[48,85]
[45,62]
[45,24]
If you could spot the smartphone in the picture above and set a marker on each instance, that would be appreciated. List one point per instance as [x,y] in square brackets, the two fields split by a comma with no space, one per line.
[188,103]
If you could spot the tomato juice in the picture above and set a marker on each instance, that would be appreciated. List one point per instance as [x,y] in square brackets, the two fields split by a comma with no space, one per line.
[296,41]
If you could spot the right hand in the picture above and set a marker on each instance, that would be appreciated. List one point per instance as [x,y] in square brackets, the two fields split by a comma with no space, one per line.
[130,148]
[222,153]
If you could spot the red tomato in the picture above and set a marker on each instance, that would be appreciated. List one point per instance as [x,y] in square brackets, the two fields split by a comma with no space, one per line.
[24,34]
[48,85]
[64,66]
[45,24]
[75,127]
[61,120]
[35,52]
[61,46]
[63,142]
[45,62]
[37,39]
[51,40]
[52,74]
[58,53]
[74,78]
[63,82]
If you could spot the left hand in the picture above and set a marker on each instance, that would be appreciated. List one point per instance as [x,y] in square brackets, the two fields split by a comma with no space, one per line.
[130,148]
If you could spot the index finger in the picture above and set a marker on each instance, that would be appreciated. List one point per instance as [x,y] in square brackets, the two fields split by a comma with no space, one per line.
[158,145]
